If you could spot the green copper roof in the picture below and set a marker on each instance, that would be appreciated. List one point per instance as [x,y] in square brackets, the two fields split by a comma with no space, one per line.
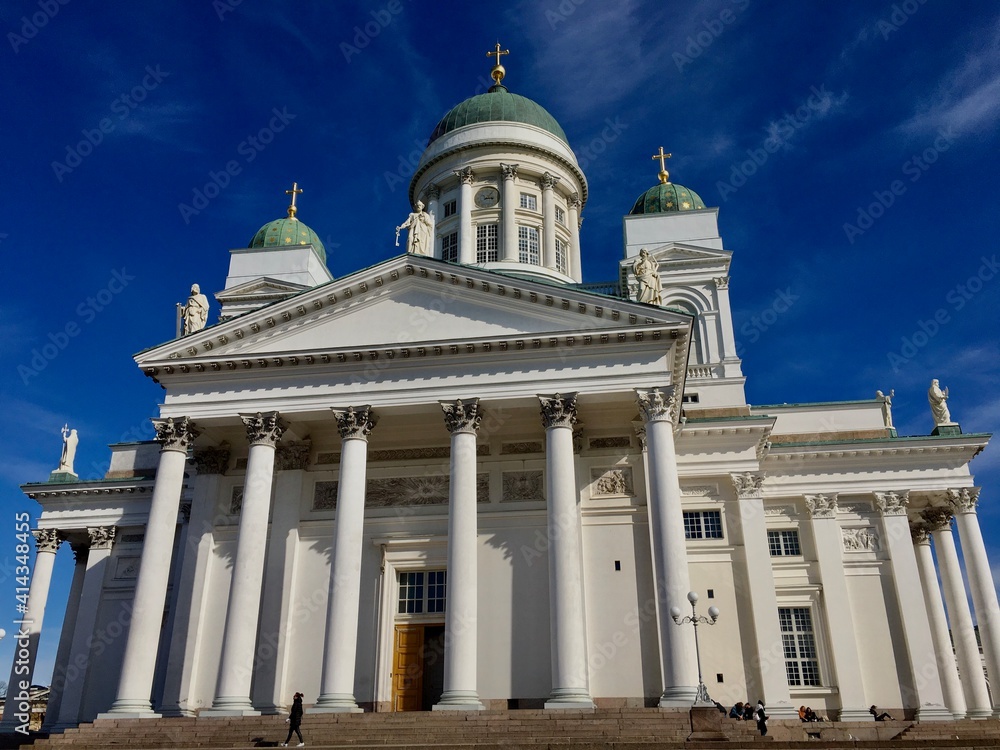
[498,105]
[664,198]
[285,233]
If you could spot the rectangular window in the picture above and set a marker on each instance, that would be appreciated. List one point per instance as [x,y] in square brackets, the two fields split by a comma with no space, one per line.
[450,208]
[799,643]
[783,543]
[422,591]
[562,256]
[486,243]
[560,216]
[449,247]
[527,245]
[703,524]
[529,201]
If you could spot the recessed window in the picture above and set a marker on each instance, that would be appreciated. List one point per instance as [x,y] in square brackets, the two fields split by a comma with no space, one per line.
[562,256]
[529,201]
[486,243]
[783,543]
[703,524]
[449,247]
[689,398]
[527,245]
[799,643]
[450,208]
[422,591]
[560,216]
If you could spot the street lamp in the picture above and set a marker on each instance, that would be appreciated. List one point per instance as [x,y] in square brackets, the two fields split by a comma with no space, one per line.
[695,619]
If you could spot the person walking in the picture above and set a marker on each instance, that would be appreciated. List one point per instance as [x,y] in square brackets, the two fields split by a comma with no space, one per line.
[294,721]
[761,717]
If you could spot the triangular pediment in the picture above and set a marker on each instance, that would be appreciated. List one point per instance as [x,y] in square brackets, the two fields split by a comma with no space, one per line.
[257,288]
[408,300]
[682,253]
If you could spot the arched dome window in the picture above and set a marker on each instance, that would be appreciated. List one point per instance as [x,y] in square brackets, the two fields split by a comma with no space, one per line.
[696,337]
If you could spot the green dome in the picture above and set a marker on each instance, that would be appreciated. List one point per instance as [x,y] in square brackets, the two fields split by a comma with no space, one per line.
[665,198]
[498,105]
[285,233]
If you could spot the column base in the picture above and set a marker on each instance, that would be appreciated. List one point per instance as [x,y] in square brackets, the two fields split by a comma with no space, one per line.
[979,714]
[130,708]
[336,703]
[459,700]
[229,706]
[573,699]
[782,710]
[855,714]
[934,712]
[682,696]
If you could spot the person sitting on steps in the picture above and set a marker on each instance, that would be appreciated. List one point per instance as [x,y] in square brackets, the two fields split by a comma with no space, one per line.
[879,716]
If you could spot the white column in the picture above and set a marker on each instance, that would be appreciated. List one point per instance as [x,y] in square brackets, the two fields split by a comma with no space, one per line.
[984,595]
[433,193]
[341,644]
[68,712]
[943,650]
[925,692]
[63,654]
[22,669]
[772,679]
[575,266]
[549,221]
[136,683]
[461,629]
[199,541]
[232,693]
[829,545]
[660,410]
[570,677]
[963,634]
[278,636]
[508,207]
[466,240]
[726,318]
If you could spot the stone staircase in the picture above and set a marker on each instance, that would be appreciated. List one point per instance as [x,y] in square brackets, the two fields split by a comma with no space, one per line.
[617,729]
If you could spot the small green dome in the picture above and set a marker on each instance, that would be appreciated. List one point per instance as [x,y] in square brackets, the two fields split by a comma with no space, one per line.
[665,198]
[285,233]
[498,105]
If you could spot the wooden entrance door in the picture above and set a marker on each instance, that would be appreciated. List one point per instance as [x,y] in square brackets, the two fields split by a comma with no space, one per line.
[408,668]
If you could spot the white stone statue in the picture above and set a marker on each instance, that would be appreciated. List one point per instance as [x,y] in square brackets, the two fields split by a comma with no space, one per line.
[939,407]
[646,271]
[419,240]
[195,312]
[70,441]
[886,405]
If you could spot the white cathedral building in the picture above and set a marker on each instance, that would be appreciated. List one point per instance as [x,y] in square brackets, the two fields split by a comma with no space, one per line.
[463,479]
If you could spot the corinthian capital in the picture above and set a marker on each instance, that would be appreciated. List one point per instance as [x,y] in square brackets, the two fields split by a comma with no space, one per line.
[47,540]
[640,432]
[919,532]
[937,519]
[462,416]
[263,428]
[465,175]
[549,180]
[892,503]
[211,460]
[964,500]
[658,405]
[292,456]
[432,191]
[175,434]
[101,537]
[509,171]
[747,484]
[821,506]
[558,410]
[355,423]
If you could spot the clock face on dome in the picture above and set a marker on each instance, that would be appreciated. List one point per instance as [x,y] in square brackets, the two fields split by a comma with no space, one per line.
[488,197]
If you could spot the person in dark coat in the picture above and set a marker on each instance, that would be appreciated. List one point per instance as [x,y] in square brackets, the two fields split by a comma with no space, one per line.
[760,716]
[294,721]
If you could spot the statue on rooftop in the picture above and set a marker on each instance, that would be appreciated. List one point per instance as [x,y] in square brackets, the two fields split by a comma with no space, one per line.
[70,440]
[195,312]
[646,271]
[886,405]
[939,407]
[420,236]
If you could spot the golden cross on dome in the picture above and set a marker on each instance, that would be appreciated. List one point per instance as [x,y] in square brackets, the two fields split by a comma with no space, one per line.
[296,190]
[498,71]
[664,174]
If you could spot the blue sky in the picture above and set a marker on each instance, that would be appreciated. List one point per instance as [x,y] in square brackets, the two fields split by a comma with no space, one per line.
[850,145]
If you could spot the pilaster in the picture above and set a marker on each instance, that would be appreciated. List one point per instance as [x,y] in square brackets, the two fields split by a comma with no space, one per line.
[466,240]
[508,210]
